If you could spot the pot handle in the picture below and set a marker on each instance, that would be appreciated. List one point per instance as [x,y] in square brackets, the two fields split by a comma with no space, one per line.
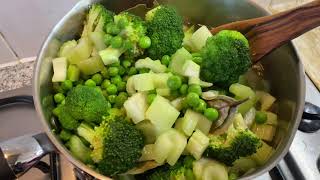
[310,121]
[19,154]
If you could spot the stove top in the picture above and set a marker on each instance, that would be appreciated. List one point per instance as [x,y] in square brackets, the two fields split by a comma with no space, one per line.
[301,163]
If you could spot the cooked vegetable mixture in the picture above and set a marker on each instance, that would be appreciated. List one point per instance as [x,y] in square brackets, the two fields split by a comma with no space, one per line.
[150,98]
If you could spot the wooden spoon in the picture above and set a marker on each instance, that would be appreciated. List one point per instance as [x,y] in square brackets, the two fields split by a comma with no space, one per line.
[270,32]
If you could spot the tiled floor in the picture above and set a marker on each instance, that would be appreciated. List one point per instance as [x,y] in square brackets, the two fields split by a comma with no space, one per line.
[25,24]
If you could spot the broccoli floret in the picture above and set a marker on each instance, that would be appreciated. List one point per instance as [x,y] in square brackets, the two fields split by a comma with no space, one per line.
[225,56]
[117,144]
[87,103]
[237,142]
[165,29]
[181,170]
[64,117]
[79,150]
[96,19]
[65,135]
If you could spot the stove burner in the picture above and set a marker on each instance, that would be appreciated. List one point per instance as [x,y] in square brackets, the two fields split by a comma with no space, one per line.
[310,119]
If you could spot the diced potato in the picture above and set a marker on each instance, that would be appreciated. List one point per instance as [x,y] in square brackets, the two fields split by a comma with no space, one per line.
[272,119]
[162,114]
[59,69]
[197,144]
[263,154]
[81,52]
[180,142]
[163,92]
[178,59]
[265,99]
[91,66]
[136,106]
[191,69]
[153,65]
[189,122]
[243,165]
[264,131]
[199,38]
[147,153]
[143,82]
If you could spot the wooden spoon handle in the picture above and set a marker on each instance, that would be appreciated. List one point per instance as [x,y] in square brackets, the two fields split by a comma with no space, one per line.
[270,32]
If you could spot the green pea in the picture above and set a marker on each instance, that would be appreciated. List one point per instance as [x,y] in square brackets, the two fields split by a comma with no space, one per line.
[113,71]
[261,117]
[144,42]
[143,70]
[107,39]
[66,85]
[121,86]
[122,23]
[195,88]
[97,78]
[132,71]
[105,73]
[58,98]
[165,60]
[183,89]
[116,64]
[127,45]
[174,93]
[105,84]
[201,107]
[104,93]
[57,87]
[126,63]
[197,60]
[122,70]
[112,89]
[233,176]
[174,82]
[120,99]
[116,79]
[193,99]
[150,98]
[212,114]
[112,98]
[112,28]
[90,83]
[116,42]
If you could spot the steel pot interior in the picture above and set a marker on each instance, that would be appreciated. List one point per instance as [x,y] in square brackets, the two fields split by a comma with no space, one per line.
[282,67]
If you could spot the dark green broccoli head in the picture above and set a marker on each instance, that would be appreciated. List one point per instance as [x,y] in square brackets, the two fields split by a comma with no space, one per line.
[229,147]
[64,117]
[225,56]
[86,103]
[165,29]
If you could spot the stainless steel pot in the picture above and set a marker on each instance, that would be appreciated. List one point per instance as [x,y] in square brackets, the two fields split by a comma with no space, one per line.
[282,68]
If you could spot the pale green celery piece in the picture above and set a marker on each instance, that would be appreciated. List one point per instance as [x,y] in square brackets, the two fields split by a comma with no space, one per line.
[199,38]
[209,95]
[149,131]
[162,148]
[266,100]
[178,125]
[197,144]
[81,52]
[264,131]
[204,124]
[130,85]
[208,169]
[190,121]
[110,55]
[153,65]
[97,40]
[136,106]
[143,82]
[180,143]
[242,92]
[162,114]
[73,73]
[249,117]
[272,119]
[238,122]
[263,154]
[67,47]
[187,36]
[198,81]
[178,103]
[243,165]
[178,59]
[79,150]
[191,69]
[163,92]
[160,80]
[147,153]
[59,69]
[91,66]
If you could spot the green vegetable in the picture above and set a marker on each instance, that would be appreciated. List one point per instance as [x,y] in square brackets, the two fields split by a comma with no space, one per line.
[91,65]
[73,73]
[116,42]
[59,69]
[136,107]
[232,176]
[110,55]
[165,60]
[107,39]
[105,83]
[66,48]
[154,66]
[263,154]
[188,31]
[242,92]
[112,28]
[113,71]
[126,63]
[120,99]
[191,69]
[112,98]
[81,52]
[225,57]
[121,86]
[145,42]
[199,38]
[116,79]
[211,113]
[197,144]
[165,29]
[97,78]
[149,131]
[143,82]
[174,82]
[97,38]
[86,103]
[65,135]
[132,71]
[150,98]
[178,60]
[266,100]
[264,131]
[112,89]
[261,117]
[195,89]
[79,150]
[112,141]
[58,98]
[193,99]
[65,118]
[189,122]
[208,169]
[201,107]
[183,89]
[163,92]
[90,83]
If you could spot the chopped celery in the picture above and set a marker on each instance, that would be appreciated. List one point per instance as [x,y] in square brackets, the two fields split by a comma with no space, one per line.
[204,124]
[149,131]
[265,99]
[67,47]
[189,122]
[79,150]
[263,154]
[130,85]
[143,82]
[81,52]
[178,103]
[180,142]
[264,131]
[208,169]
[59,69]
[187,36]
[272,119]
[209,95]
[163,92]
[197,144]
[178,124]
[196,80]
[147,153]
[178,59]
[73,73]
[162,114]
[97,39]
[243,165]
[242,92]
[91,66]
[153,65]
[163,147]
[136,106]
[250,116]
[205,84]
[110,55]
[199,38]
[191,69]
[238,122]
[160,80]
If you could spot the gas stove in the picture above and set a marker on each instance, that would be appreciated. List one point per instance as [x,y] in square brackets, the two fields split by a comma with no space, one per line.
[301,163]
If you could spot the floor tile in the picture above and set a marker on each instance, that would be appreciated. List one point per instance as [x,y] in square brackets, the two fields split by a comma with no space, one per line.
[6,55]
